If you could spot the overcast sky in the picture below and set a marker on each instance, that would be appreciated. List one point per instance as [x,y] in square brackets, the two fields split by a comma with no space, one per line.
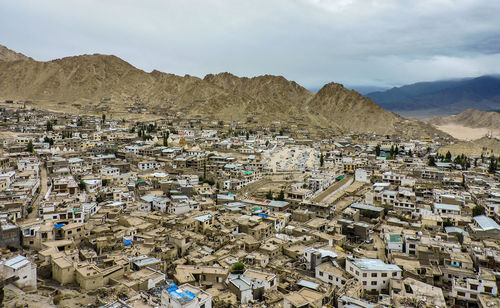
[355,42]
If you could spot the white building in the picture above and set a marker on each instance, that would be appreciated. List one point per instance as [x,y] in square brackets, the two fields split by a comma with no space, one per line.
[468,289]
[446,209]
[185,296]
[22,268]
[374,274]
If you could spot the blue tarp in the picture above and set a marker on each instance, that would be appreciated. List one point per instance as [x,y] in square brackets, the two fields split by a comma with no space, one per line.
[127,242]
[262,215]
[58,226]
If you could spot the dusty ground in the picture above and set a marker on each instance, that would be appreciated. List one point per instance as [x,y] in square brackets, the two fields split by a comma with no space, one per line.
[285,159]
[466,133]
[15,297]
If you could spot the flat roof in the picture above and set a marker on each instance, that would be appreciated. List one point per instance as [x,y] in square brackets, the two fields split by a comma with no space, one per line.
[375,265]
[486,223]
[361,206]
[444,206]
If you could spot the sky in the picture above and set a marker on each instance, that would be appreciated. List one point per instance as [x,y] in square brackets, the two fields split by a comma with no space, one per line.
[355,42]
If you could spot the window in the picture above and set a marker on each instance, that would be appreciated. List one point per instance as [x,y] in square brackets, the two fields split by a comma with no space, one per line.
[460,293]
[364,283]
[394,274]
[384,274]
[488,289]
[473,286]
[374,275]
[364,274]
[374,283]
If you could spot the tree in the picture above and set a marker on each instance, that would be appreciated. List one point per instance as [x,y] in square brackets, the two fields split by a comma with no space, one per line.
[79,122]
[396,150]
[165,139]
[30,148]
[103,118]
[247,136]
[391,152]
[447,158]
[49,126]
[431,161]
[82,185]
[269,195]
[321,160]
[460,238]
[238,268]
[377,150]
[105,182]
[48,140]
[281,196]
[478,211]
[410,153]
[493,166]
[267,143]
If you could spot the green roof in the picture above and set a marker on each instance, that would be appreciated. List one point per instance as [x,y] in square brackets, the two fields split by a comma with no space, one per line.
[394,238]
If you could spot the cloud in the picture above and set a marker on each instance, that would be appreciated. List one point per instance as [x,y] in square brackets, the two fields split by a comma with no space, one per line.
[370,42]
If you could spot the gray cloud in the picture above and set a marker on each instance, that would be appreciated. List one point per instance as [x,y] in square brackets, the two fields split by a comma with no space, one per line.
[369,42]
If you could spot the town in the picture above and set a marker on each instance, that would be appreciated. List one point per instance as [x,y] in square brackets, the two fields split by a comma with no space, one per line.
[99,211]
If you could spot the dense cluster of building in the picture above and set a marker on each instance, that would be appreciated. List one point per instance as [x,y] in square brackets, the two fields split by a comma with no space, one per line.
[195,213]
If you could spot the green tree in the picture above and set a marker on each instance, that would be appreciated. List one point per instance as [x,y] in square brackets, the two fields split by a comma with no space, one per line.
[281,196]
[238,268]
[48,140]
[82,185]
[30,148]
[447,158]
[247,136]
[105,182]
[460,238]
[165,139]
[410,153]
[49,126]
[478,211]
[493,166]
[431,161]
[377,150]
[321,160]
[103,118]
[269,195]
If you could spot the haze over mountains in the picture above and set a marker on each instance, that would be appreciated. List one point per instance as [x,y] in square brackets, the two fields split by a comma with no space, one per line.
[442,98]
[100,83]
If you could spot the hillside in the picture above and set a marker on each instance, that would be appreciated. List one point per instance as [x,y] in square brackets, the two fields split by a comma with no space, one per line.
[470,118]
[104,83]
[442,98]
[486,146]
[9,55]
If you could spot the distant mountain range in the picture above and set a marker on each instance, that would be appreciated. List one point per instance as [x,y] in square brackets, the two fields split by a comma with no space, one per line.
[441,98]
[106,83]
[470,118]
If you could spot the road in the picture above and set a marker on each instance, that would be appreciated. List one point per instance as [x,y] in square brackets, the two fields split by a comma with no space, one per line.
[43,190]
[377,242]
[332,189]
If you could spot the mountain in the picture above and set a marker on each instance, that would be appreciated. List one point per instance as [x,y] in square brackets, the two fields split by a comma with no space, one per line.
[9,55]
[470,118]
[485,145]
[105,83]
[443,98]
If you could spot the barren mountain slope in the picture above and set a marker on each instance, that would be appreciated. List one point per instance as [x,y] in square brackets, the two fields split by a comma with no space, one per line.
[470,118]
[9,55]
[486,146]
[93,83]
